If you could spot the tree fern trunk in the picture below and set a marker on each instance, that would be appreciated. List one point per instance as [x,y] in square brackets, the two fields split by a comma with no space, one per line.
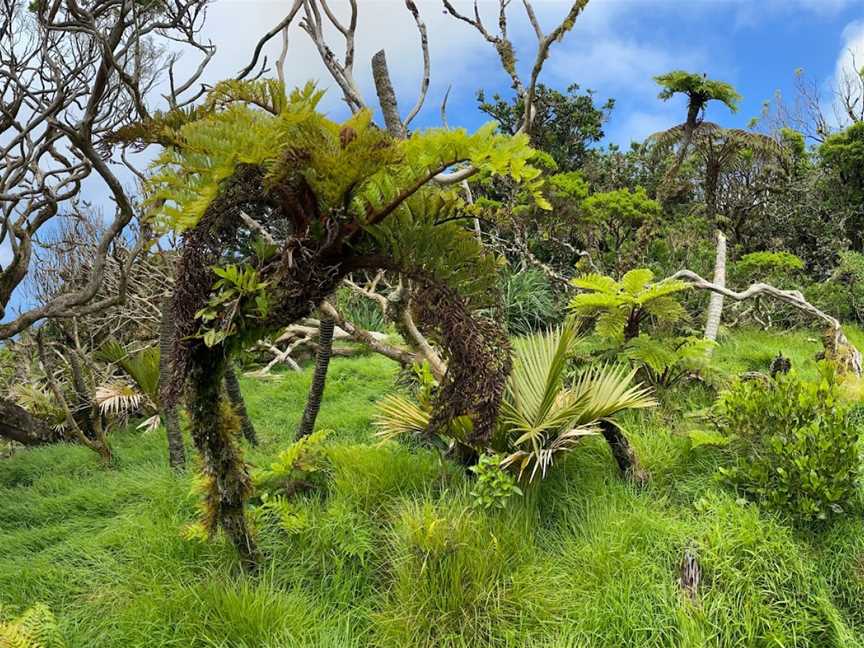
[715,305]
[623,453]
[319,378]
[176,448]
[215,426]
[232,386]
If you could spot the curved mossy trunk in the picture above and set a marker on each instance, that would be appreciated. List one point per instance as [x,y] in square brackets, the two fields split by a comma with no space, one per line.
[319,378]
[214,426]
[478,361]
[170,417]
[232,388]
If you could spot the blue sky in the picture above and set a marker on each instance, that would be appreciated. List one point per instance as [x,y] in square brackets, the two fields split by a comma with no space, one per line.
[615,49]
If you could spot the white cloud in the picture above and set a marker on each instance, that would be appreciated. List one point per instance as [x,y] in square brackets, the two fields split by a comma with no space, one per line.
[850,59]
[639,124]
[851,56]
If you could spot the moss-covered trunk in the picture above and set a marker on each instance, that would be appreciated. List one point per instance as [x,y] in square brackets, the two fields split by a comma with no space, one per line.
[170,417]
[232,388]
[214,427]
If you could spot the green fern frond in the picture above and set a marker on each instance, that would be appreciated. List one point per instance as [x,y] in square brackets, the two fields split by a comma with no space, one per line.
[35,628]
[596,283]
[635,281]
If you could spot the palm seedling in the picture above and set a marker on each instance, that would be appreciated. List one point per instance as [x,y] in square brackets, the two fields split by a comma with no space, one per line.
[121,398]
[541,416]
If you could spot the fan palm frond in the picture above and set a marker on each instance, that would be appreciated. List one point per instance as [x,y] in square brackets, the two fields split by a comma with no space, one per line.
[117,398]
[607,390]
[397,415]
[141,366]
[150,424]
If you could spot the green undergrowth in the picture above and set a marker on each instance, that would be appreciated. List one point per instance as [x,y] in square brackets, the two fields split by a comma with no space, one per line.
[390,552]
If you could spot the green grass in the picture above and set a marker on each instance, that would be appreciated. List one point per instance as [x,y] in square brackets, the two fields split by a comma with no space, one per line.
[391,554]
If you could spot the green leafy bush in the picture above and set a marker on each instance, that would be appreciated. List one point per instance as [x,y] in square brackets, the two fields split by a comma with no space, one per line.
[296,468]
[795,444]
[360,310]
[493,486]
[842,295]
[771,267]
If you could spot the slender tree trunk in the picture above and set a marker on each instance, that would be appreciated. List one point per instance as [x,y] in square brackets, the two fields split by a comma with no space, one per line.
[176,448]
[387,96]
[319,378]
[715,304]
[232,387]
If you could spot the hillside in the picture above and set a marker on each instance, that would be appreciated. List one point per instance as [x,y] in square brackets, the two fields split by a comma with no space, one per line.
[391,554]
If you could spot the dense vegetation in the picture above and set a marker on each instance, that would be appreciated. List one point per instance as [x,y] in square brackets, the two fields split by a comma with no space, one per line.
[391,551]
[444,388]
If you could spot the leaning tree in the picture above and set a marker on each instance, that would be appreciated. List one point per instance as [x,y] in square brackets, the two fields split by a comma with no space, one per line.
[277,204]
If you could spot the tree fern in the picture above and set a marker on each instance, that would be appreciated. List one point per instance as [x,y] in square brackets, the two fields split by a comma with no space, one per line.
[621,306]
[663,362]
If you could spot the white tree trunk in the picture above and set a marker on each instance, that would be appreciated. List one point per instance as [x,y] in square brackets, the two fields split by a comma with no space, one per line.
[715,305]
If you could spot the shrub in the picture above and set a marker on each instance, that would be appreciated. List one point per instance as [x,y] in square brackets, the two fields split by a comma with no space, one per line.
[493,486]
[781,269]
[296,468]
[772,267]
[360,310]
[834,298]
[796,444]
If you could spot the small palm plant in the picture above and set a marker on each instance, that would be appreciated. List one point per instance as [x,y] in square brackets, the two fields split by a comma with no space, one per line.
[620,307]
[541,416]
[142,367]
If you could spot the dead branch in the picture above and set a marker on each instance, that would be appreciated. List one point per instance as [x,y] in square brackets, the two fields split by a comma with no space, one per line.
[71,75]
[837,346]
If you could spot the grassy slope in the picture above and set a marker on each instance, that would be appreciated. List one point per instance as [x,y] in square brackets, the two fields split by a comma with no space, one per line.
[392,556]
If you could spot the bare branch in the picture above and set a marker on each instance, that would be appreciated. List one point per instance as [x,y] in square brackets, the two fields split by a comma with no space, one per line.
[424,46]
[283,25]
[792,297]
